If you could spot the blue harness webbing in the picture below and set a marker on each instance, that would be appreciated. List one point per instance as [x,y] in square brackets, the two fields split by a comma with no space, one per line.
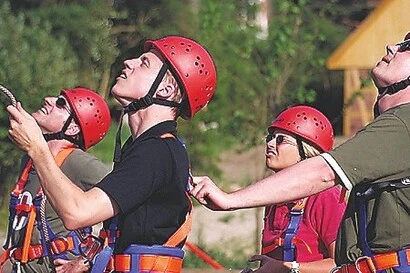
[289,248]
[363,196]
[16,208]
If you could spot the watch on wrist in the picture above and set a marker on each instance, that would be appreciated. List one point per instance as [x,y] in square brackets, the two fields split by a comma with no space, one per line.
[294,267]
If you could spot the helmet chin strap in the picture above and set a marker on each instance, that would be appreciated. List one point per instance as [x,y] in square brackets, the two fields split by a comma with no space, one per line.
[389,90]
[143,103]
[61,134]
[149,99]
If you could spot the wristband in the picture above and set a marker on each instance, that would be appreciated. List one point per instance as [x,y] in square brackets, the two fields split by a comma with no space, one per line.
[294,267]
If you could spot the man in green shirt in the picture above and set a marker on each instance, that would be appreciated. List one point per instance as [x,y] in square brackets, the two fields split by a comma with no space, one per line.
[374,165]
[37,238]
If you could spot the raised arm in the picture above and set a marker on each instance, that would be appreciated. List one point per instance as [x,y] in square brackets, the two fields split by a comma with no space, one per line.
[75,207]
[306,178]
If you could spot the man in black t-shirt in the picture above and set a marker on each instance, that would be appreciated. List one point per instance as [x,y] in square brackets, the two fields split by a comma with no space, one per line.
[146,190]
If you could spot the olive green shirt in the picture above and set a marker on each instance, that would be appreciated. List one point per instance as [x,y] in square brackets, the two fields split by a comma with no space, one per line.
[85,171]
[379,152]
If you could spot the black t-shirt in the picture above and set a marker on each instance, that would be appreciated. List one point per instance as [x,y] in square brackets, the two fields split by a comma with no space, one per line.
[149,185]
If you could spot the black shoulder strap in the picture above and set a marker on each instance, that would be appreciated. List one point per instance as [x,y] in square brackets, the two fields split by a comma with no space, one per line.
[384,186]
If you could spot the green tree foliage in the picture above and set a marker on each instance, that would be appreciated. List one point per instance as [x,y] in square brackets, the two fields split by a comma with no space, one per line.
[33,63]
[46,47]
[87,29]
[49,44]
[259,74]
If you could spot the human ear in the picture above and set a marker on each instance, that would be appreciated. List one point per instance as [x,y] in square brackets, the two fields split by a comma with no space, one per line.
[72,129]
[165,90]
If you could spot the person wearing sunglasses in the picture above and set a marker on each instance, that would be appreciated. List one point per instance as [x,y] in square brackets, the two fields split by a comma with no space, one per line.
[143,201]
[303,231]
[37,239]
[374,164]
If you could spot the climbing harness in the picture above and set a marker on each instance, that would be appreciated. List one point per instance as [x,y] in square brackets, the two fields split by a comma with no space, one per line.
[166,258]
[399,260]
[288,239]
[24,212]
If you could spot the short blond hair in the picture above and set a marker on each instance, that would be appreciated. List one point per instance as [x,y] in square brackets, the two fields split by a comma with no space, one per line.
[310,150]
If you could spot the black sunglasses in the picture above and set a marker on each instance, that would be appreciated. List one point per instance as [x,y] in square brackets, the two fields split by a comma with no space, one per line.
[61,102]
[405,45]
[279,138]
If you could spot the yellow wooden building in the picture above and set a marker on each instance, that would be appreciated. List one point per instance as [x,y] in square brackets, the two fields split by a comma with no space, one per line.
[362,49]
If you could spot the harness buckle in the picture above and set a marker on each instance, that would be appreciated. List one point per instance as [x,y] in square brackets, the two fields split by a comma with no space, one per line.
[336,269]
[11,257]
[405,181]
[94,245]
[369,264]
[147,100]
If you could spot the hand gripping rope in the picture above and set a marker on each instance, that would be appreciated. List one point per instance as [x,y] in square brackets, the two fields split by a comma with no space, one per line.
[9,95]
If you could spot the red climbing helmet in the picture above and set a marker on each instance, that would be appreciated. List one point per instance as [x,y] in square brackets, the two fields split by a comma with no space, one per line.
[193,68]
[308,123]
[91,112]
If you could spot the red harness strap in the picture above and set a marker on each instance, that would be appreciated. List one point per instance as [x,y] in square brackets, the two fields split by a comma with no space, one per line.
[279,242]
[28,252]
[291,231]
[58,246]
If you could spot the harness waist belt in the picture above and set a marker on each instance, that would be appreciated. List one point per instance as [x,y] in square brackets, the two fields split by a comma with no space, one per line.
[58,246]
[147,263]
[378,262]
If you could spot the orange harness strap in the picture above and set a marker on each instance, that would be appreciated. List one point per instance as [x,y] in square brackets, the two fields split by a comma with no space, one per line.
[156,263]
[29,233]
[25,251]
[183,231]
[153,262]
[148,263]
[21,183]
[378,262]
[62,155]
[58,246]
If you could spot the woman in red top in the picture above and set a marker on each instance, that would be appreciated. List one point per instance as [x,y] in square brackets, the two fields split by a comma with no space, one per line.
[300,235]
